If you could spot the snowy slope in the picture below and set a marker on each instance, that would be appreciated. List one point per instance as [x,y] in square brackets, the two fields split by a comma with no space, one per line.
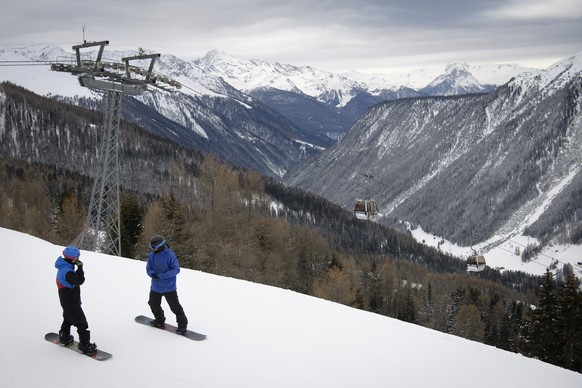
[505,253]
[552,78]
[29,67]
[258,336]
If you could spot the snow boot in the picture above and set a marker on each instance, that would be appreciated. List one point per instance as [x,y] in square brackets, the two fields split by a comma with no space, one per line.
[158,322]
[65,338]
[181,330]
[85,346]
[88,348]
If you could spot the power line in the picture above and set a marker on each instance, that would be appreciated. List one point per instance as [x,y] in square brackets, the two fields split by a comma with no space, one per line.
[23,63]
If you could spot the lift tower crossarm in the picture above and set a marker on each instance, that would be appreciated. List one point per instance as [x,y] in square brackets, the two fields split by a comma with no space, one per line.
[78,48]
[150,70]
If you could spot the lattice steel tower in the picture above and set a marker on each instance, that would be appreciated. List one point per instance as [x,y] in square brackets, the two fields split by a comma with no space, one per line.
[102,230]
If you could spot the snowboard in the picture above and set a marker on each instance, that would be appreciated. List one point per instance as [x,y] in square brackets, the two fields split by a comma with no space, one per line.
[171,328]
[99,356]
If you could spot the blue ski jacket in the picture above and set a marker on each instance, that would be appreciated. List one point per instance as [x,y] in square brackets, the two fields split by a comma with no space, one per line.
[67,277]
[165,266]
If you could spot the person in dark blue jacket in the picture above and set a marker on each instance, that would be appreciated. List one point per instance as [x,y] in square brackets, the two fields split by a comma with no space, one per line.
[69,283]
[162,266]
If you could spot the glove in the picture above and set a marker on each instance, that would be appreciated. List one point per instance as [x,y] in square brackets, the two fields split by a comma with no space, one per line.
[79,263]
[155,276]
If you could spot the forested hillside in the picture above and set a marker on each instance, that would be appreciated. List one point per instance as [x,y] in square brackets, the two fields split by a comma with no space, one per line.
[235,222]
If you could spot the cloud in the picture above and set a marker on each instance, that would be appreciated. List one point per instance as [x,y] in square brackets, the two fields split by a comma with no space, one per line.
[336,35]
[539,10]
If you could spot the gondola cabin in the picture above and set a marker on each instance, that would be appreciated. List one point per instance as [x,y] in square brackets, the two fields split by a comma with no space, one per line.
[476,263]
[366,209]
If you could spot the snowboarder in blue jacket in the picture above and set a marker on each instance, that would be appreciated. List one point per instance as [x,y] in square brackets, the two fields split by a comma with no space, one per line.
[162,266]
[69,283]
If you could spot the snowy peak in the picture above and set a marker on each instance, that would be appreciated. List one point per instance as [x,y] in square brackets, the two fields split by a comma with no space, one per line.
[216,56]
[455,80]
[35,52]
[553,78]
[329,88]
[457,67]
[567,67]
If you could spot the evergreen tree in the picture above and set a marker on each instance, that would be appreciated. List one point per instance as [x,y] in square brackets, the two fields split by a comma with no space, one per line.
[494,319]
[571,324]
[130,224]
[544,337]
[516,327]
[175,229]
[405,304]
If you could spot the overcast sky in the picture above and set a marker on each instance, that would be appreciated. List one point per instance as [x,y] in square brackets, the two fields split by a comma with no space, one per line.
[335,35]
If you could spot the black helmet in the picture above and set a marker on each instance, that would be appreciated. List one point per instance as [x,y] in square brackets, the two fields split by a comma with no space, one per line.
[157,242]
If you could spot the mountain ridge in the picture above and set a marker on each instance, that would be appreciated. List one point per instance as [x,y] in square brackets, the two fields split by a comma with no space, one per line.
[210,114]
[282,126]
[248,75]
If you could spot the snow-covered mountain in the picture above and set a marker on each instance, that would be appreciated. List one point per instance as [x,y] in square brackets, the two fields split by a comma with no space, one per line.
[258,336]
[339,89]
[475,168]
[251,113]
[208,114]
[486,74]
[330,103]
[247,75]
[207,75]
[456,80]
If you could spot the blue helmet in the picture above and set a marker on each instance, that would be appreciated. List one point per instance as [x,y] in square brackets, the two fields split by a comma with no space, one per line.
[71,252]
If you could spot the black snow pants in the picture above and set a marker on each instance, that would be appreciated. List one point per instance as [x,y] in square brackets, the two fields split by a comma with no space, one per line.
[155,303]
[73,314]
